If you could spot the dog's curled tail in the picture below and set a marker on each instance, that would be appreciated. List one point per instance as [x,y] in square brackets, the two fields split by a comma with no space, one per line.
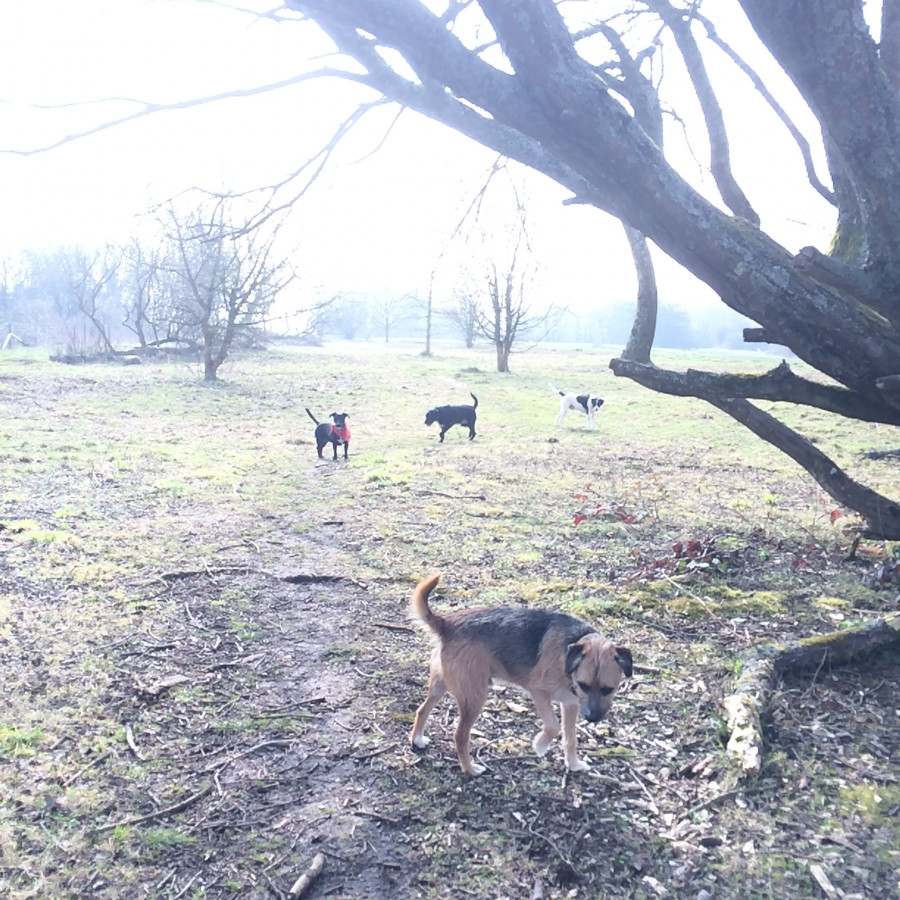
[556,390]
[311,415]
[475,405]
[419,605]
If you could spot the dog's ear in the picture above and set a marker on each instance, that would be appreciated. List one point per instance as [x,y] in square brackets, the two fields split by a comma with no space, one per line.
[332,415]
[574,655]
[623,658]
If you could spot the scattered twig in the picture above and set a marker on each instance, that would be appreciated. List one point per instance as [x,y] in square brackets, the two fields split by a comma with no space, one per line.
[287,709]
[184,890]
[129,738]
[261,746]
[644,788]
[305,881]
[712,801]
[154,648]
[166,878]
[822,880]
[454,496]
[697,597]
[230,663]
[158,814]
[390,626]
[646,670]
[190,616]
[207,570]
[555,847]
[274,887]
[169,681]
[90,765]
[59,742]
[372,753]
[379,817]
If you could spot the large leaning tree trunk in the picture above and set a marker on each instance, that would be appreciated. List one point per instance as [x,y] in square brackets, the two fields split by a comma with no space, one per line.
[558,93]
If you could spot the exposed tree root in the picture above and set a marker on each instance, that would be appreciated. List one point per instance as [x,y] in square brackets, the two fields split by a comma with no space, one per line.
[765,662]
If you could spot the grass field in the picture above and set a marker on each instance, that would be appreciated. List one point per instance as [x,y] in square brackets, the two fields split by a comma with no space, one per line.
[209,676]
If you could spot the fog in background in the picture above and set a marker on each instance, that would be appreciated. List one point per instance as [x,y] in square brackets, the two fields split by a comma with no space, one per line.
[379,222]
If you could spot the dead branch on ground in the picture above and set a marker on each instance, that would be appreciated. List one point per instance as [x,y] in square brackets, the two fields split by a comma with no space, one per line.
[303,883]
[764,663]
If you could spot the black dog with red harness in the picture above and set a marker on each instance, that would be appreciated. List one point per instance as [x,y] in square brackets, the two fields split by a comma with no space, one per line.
[336,434]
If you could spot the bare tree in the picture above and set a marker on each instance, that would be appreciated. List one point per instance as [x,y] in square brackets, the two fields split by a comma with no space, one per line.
[345,314]
[227,271]
[535,85]
[462,313]
[88,278]
[147,297]
[389,311]
[503,310]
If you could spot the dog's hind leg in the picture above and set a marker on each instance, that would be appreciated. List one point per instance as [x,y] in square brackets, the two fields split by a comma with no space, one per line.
[570,738]
[469,707]
[550,731]
[436,690]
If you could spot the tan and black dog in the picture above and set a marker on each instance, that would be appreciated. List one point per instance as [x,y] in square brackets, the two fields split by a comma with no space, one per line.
[553,656]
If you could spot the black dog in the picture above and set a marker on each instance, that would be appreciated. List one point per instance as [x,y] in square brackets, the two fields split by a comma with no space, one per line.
[448,416]
[326,433]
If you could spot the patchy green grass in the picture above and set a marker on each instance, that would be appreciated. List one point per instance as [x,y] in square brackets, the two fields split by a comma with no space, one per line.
[210,675]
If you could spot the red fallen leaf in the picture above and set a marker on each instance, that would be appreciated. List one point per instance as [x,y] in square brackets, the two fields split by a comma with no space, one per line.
[578,518]
[581,497]
[694,548]
[677,548]
[799,562]
[835,514]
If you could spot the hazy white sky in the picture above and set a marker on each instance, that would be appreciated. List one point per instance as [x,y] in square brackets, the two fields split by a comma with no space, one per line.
[373,221]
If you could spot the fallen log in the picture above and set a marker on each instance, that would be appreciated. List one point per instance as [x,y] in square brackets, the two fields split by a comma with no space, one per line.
[764,663]
[305,881]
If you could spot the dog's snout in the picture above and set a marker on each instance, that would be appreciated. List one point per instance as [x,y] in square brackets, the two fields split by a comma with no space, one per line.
[593,713]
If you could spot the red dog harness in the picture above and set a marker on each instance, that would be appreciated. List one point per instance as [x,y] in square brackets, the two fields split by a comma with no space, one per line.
[342,434]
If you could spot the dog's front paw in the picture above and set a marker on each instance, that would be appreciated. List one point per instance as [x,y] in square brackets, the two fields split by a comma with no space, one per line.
[421,741]
[577,765]
[541,743]
[475,770]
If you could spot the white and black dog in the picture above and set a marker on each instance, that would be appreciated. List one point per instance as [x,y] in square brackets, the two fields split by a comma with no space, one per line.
[583,403]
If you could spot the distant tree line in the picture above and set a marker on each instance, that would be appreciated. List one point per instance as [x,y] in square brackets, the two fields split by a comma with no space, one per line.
[383,317]
[203,282]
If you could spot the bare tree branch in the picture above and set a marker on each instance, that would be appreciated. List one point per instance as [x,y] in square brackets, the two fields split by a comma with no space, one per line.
[780,384]
[720,153]
[801,142]
[149,109]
